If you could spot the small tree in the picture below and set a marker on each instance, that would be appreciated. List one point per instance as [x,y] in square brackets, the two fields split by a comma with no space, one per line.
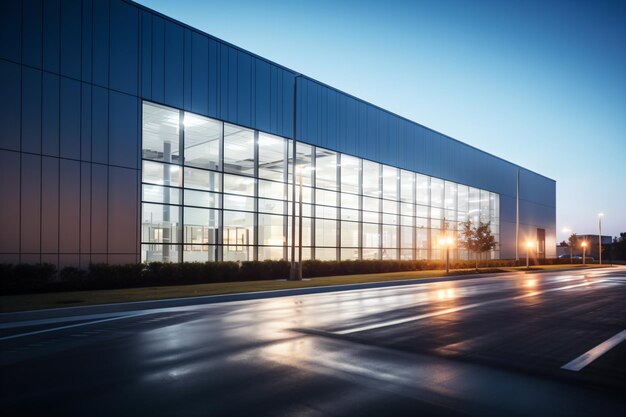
[572,243]
[477,239]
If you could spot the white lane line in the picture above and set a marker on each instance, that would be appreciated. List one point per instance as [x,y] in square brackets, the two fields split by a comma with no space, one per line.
[26,323]
[593,354]
[455,309]
[15,336]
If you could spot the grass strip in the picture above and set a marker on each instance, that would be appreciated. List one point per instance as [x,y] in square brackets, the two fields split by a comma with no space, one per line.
[25,302]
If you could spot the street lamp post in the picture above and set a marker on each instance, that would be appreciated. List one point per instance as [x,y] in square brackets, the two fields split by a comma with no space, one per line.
[446,242]
[529,246]
[295,272]
[600,215]
[584,245]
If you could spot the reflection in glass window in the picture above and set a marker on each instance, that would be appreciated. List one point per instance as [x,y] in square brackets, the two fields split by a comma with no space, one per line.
[238,150]
[349,214]
[202,180]
[371,235]
[272,157]
[326,254]
[160,223]
[350,174]
[271,206]
[156,252]
[238,202]
[390,182]
[271,230]
[390,207]
[463,201]
[325,232]
[436,192]
[200,253]
[450,196]
[474,205]
[371,178]
[406,237]
[238,236]
[326,197]
[162,174]
[422,189]
[306,231]
[326,212]
[390,236]
[350,201]
[160,133]
[272,189]
[236,184]
[158,194]
[371,217]
[201,199]
[349,234]
[304,165]
[407,186]
[202,141]
[201,226]
[484,206]
[275,253]
[325,169]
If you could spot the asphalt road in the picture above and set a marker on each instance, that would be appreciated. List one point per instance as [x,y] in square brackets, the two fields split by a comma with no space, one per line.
[509,345]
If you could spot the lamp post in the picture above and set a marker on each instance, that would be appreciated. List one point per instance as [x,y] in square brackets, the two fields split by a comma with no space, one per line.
[584,245]
[446,242]
[529,246]
[295,273]
[571,248]
[600,215]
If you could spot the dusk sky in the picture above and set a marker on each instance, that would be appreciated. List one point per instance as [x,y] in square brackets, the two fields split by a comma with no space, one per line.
[539,83]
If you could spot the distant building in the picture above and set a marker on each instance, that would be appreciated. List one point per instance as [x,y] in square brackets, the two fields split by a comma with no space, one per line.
[592,246]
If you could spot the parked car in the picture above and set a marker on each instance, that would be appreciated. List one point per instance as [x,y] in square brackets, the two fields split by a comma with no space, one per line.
[577,257]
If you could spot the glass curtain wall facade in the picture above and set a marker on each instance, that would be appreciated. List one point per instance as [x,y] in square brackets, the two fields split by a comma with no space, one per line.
[215,191]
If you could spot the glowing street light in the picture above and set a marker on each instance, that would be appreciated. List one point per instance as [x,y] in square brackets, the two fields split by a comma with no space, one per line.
[529,245]
[600,215]
[446,242]
[584,246]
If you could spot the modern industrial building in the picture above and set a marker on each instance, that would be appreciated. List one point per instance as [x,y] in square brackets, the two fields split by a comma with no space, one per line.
[127,136]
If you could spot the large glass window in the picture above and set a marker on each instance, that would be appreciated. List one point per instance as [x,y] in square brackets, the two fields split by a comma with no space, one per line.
[325,169]
[272,157]
[371,179]
[200,179]
[238,150]
[162,174]
[350,174]
[238,236]
[390,182]
[203,137]
[436,192]
[407,186]
[160,133]
[271,230]
[216,191]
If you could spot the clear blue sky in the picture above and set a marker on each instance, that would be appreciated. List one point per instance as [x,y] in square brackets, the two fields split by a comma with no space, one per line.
[539,83]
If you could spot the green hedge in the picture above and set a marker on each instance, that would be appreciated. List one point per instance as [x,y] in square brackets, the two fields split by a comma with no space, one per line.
[25,278]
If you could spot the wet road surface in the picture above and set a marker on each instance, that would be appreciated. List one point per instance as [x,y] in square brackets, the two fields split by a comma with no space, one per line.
[487,346]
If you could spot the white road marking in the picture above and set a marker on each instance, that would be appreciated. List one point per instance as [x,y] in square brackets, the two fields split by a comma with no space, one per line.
[593,354]
[15,336]
[455,309]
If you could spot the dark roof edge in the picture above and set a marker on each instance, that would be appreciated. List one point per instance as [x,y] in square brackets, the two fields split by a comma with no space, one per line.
[185,25]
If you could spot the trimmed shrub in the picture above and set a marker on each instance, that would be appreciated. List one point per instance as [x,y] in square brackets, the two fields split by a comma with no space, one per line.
[44,277]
